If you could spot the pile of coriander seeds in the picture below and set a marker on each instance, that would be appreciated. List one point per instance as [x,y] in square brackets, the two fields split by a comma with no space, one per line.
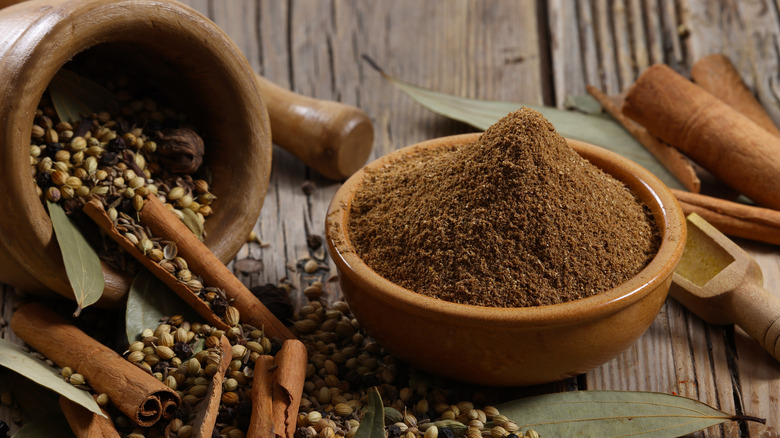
[344,363]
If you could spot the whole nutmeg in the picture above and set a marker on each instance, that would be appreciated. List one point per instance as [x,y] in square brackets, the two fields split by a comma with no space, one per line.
[180,150]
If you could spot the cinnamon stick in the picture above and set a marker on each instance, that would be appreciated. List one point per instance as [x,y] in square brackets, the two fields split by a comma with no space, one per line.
[289,377]
[733,218]
[710,132]
[165,224]
[261,423]
[716,74]
[86,424]
[669,157]
[208,408]
[141,397]
[162,223]
[94,209]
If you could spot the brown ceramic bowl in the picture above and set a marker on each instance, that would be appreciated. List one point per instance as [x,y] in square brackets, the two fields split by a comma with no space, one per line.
[510,346]
[194,64]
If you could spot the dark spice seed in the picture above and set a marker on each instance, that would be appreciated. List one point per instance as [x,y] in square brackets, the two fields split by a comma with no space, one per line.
[394,431]
[276,300]
[109,158]
[161,366]
[182,350]
[314,241]
[219,305]
[43,179]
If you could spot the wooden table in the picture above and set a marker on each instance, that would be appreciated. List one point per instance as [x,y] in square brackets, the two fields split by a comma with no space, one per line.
[519,51]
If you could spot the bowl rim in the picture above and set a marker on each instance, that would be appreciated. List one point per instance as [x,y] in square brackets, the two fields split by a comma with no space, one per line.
[645,185]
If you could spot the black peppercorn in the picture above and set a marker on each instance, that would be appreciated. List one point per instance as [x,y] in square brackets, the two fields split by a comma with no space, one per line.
[161,366]
[182,350]
[219,305]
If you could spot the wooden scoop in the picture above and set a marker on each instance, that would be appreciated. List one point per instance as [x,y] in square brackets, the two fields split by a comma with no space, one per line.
[723,284]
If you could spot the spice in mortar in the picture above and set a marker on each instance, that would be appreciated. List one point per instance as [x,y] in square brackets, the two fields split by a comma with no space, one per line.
[515,219]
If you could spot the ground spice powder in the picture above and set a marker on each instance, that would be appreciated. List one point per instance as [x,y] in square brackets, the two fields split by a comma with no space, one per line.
[515,219]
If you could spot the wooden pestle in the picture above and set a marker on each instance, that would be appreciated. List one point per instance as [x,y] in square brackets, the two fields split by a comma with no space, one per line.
[332,138]
[710,132]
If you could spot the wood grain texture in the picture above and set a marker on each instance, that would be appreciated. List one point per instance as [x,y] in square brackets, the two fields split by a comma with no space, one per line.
[497,49]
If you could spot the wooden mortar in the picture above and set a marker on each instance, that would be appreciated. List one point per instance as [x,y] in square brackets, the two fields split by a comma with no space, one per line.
[207,77]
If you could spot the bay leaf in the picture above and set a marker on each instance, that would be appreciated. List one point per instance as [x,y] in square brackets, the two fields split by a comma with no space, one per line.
[372,425]
[584,103]
[148,301]
[74,96]
[612,414]
[190,219]
[199,345]
[14,358]
[590,128]
[82,264]
[51,426]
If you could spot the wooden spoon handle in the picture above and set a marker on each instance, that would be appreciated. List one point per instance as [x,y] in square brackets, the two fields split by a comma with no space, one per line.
[332,138]
[758,313]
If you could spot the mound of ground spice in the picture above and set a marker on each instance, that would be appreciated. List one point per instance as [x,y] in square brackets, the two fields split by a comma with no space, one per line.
[515,219]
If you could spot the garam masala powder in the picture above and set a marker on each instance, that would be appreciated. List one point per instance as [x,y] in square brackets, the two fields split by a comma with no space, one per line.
[515,219]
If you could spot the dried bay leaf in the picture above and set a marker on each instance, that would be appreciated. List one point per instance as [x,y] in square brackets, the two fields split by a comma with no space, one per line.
[14,358]
[74,96]
[590,128]
[150,300]
[613,414]
[190,219]
[82,264]
[372,425]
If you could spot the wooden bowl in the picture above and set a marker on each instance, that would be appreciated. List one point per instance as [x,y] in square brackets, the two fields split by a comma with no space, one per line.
[178,50]
[510,346]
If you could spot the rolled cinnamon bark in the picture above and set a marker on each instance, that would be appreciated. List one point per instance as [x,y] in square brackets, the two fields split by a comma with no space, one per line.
[289,377]
[208,408]
[728,144]
[716,74]
[162,223]
[94,209]
[669,157]
[261,424]
[202,261]
[733,218]
[138,395]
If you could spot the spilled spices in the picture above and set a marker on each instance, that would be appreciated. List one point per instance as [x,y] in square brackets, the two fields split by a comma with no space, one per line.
[515,219]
